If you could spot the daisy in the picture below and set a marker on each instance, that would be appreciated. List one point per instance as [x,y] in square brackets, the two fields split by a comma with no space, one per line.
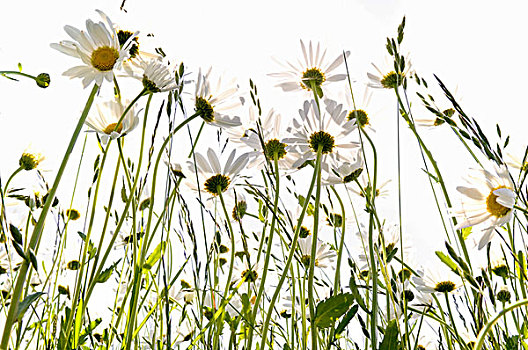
[366,187]
[434,282]
[360,113]
[314,71]
[98,48]
[488,201]
[516,163]
[340,170]
[154,74]
[270,141]
[212,102]
[213,178]
[435,120]
[30,159]
[324,256]
[387,78]
[108,115]
[438,115]
[312,131]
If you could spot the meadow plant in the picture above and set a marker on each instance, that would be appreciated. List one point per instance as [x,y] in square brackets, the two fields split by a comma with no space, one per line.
[229,225]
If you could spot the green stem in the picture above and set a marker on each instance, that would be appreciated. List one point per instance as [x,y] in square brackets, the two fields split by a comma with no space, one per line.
[39,227]
[290,255]
[484,331]
[311,271]
[268,251]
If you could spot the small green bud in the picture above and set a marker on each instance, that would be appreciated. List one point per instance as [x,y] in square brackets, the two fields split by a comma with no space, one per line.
[43,80]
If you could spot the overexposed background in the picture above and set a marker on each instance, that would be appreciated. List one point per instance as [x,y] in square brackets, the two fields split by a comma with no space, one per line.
[478,46]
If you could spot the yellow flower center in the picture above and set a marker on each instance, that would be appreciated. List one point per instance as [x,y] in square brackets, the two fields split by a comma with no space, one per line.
[112,127]
[495,208]
[104,58]
[312,76]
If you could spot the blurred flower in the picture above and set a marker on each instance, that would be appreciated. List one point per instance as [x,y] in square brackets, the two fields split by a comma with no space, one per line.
[324,256]
[211,102]
[314,71]
[436,282]
[98,48]
[387,78]
[108,115]
[488,200]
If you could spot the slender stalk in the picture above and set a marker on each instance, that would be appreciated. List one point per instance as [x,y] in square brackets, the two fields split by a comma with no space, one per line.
[311,271]
[39,227]
[268,250]
[290,255]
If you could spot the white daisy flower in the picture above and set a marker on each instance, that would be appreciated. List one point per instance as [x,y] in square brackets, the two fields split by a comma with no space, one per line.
[154,74]
[30,159]
[98,48]
[488,201]
[381,190]
[107,117]
[270,141]
[360,113]
[387,78]
[436,282]
[517,163]
[328,131]
[313,71]
[324,256]
[212,102]
[341,170]
[438,117]
[213,178]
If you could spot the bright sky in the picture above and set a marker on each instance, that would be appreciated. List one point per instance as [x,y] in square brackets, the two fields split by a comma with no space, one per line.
[478,45]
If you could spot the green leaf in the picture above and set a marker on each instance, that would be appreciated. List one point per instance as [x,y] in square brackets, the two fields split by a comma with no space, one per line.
[78,323]
[17,236]
[105,275]
[447,260]
[329,310]
[19,250]
[33,259]
[356,294]
[24,305]
[155,256]
[346,319]
[390,339]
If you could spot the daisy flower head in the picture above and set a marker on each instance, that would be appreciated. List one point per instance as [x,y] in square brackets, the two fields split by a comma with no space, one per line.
[360,114]
[387,77]
[487,201]
[324,256]
[342,170]
[104,121]
[153,74]
[30,159]
[211,102]
[311,73]
[214,179]
[436,282]
[312,132]
[267,140]
[516,162]
[98,48]
[438,114]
